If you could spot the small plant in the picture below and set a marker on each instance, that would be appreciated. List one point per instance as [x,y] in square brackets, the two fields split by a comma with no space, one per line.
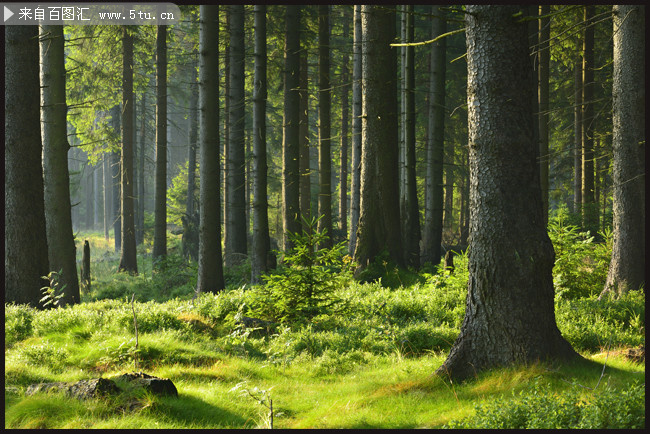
[52,293]
[263,397]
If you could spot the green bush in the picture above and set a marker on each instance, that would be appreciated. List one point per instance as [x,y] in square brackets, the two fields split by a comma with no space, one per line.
[540,408]
[18,323]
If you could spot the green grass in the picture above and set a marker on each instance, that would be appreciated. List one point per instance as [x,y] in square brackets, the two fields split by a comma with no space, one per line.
[370,367]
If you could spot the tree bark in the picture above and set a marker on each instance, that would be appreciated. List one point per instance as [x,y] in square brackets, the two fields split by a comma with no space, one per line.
[210,273]
[128,254]
[260,259]
[379,220]
[139,230]
[304,164]
[345,114]
[509,316]
[589,206]
[355,187]
[627,266]
[577,137]
[324,126]
[291,131]
[436,141]
[60,238]
[543,99]
[26,258]
[160,195]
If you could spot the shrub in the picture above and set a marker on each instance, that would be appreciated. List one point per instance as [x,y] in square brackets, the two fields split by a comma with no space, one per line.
[18,323]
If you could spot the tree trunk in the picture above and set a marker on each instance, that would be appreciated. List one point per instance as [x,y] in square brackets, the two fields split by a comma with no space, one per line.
[128,256]
[509,316]
[60,239]
[108,190]
[210,273]
[355,188]
[543,98]
[236,223]
[589,206]
[627,267]
[379,220]
[345,114]
[160,195]
[436,142]
[139,230]
[291,130]
[324,126]
[304,164]
[25,234]
[260,262]
[577,138]
[85,267]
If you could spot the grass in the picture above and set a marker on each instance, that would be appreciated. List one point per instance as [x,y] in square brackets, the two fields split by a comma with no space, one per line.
[369,368]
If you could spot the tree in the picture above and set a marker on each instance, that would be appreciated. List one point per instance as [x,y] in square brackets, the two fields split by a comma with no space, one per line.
[324,126]
[290,130]
[236,222]
[509,315]
[26,257]
[260,261]
[210,274]
[355,187]
[345,115]
[128,253]
[160,194]
[60,239]
[304,157]
[379,219]
[544,59]
[627,267]
[432,238]
[577,136]
[589,207]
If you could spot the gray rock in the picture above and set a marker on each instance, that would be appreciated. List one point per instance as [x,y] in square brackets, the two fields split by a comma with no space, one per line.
[155,385]
[82,389]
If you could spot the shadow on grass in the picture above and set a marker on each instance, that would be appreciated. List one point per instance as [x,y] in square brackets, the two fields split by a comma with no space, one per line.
[190,411]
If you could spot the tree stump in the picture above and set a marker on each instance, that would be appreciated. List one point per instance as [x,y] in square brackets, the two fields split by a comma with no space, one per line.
[85,267]
[449,261]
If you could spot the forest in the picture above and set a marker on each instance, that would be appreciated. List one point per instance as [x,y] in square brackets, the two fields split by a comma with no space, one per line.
[328,216]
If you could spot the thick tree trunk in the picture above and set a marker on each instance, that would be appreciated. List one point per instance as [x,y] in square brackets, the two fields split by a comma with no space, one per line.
[60,239]
[324,126]
[379,220]
[291,130]
[25,235]
[260,262]
[236,222]
[577,137]
[210,274]
[589,206]
[160,195]
[509,316]
[435,151]
[128,256]
[627,267]
[304,164]
[543,99]
[345,114]
[355,187]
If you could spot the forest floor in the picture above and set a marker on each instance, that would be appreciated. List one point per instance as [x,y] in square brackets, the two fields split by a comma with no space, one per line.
[370,368]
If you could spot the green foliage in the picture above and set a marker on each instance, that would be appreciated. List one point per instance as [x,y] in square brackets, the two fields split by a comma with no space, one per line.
[580,263]
[177,195]
[306,285]
[54,292]
[542,408]
[382,269]
[18,323]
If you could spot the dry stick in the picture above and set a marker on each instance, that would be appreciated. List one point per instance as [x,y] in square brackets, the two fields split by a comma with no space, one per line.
[135,324]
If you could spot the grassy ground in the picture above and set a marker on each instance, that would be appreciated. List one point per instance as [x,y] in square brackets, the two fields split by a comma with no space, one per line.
[370,368]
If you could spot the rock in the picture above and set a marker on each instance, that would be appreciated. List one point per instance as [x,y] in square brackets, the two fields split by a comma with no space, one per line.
[82,389]
[155,385]
[636,354]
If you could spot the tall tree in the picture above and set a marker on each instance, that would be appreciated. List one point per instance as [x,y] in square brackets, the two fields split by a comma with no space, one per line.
[345,117]
[26,257]
[379,219]
[432,238]
[128,253]
[210,273]
[60,239]
[577,135]
[304,157]
[589,207]
[324,126]
[108,190]
[509,315]
[236,222]
[139,227]
[260,262]
[291,124]
[544,51]
[355,187]
[160,195]
[627,267]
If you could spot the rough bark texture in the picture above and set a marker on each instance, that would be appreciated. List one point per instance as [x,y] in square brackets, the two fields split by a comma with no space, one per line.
[379,221]
[432,238]
[236,222]
[543,98]
[509,314]
[305,170]
[160,195]
[589,205]
[577,137]
[128,253]
[627,266]
[291,130]
[355,187]
[324,126]
[345,119]
[139,230]
[210,274]
[60,239]
[25,237]
[261,243]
